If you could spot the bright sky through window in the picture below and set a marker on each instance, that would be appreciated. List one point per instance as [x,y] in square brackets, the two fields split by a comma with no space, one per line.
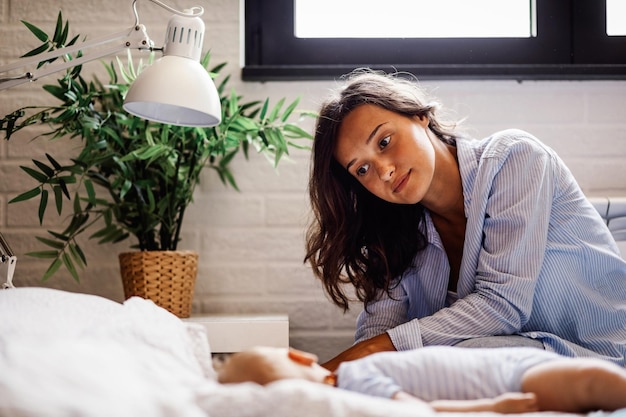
[415,18]
[616,17]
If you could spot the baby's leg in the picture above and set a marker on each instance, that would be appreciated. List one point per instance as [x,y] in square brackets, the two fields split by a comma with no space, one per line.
[577,385]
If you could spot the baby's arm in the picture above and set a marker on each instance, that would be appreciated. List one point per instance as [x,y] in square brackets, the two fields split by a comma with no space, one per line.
[505,403]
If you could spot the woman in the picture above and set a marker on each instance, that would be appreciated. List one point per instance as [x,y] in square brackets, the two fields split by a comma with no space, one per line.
[452,241]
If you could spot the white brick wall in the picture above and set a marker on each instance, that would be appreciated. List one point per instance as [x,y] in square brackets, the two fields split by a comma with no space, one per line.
[251,243]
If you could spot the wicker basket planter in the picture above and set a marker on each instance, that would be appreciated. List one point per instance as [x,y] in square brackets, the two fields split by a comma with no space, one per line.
[166,277]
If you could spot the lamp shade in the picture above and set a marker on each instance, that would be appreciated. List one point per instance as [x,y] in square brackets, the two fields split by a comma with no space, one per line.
[177,89]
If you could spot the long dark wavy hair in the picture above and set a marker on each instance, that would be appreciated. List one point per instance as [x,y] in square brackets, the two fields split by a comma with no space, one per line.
[355,238]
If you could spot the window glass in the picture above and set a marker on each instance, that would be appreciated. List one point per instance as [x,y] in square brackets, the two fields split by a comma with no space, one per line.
[414,19]
[616,17]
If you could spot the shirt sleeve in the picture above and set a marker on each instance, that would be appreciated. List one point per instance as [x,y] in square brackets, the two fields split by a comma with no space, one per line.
[388,312]
[362,377]
[513,193]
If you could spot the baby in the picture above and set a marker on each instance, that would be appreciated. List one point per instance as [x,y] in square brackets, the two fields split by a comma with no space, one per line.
[503,380]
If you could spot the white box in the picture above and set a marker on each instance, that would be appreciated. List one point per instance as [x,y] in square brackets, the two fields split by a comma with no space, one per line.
[234,333]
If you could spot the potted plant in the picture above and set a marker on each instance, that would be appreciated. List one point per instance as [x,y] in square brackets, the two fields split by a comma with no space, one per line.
[133,177]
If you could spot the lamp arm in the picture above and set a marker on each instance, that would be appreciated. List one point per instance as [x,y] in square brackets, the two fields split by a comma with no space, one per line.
[133,38]
[7,255]
[195,11]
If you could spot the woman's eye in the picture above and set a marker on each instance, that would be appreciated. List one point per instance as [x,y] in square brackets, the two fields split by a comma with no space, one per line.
[384,142]
[362,170]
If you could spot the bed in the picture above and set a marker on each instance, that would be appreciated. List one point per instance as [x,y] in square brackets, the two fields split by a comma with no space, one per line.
[69,354]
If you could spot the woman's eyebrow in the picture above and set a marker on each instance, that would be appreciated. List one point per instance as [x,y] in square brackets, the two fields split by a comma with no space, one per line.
[367,142]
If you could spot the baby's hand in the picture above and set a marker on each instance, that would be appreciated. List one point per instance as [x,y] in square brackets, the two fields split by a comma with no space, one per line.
[515,402]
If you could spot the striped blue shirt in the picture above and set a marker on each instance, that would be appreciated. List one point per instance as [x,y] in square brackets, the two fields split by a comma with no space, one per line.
[441,372]
[538,261]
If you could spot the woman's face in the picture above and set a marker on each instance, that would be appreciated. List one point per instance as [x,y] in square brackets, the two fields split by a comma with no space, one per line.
[391,155]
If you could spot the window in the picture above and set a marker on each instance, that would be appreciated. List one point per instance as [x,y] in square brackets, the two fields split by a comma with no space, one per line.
[404,19]
[508,39]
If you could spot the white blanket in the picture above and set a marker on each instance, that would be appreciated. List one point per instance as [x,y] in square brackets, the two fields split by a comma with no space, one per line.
[66,354]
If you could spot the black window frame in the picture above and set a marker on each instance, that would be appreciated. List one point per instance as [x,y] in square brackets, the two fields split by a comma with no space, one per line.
[571,43]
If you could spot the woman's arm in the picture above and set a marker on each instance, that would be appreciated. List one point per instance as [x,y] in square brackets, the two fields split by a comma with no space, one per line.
[506,403]
[387,312]
[380,343]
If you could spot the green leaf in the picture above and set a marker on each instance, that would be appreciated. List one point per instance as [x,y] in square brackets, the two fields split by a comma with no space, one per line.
[120,237]
[73,40]
[78,220]
[228,176]
[146,152]
[77,208]
[151,201]
[35,174]
[64,188]
[58,31]
[91,193]
[27,195]
[216,68]
[232,103]
[111,69]
[289,110]
[54,267]
[66,31]
[297,131]
[264,109]
[44,254]
[56,91]
[39,50]
[77,255]
[278,156]
[52,243]
[125,188]
[43,203]
[274,114]
[40,34]
[67,261]
[245,124]
[108,217]
[53,161]
[102,232]
[111,133]
[44,168]
[80,253]
[113,235]
[99,179]
[58,198]
[59,235]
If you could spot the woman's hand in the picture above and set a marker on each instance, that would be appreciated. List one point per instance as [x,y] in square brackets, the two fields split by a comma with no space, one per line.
[508,403]
[515,402]
[380,343]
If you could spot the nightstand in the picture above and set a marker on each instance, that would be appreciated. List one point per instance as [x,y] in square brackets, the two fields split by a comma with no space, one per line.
[229,333]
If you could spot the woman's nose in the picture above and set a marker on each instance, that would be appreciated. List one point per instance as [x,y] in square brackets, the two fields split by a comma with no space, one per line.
[385,170]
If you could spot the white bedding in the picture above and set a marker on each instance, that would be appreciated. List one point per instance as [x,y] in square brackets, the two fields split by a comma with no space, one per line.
[67,354]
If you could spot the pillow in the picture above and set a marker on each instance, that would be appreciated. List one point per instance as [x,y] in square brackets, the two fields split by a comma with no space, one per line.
[65,353]
[43,313]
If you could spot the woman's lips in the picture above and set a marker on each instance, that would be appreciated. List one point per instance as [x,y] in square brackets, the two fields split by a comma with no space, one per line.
[399,185]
